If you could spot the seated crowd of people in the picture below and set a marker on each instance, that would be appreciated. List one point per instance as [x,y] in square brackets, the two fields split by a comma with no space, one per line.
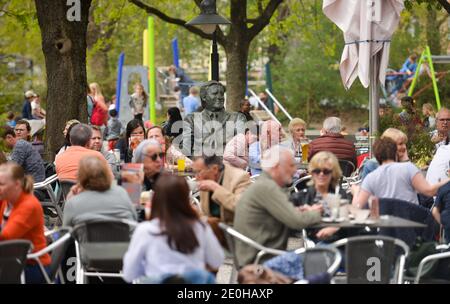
[179,237]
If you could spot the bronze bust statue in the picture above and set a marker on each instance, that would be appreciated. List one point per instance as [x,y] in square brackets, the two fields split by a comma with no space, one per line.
[207,132]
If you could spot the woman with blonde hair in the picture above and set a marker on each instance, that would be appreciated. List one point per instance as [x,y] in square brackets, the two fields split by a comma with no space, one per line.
[429,121]
[326,175]
[400,140]
[297,130]
[100,111]
[21,216]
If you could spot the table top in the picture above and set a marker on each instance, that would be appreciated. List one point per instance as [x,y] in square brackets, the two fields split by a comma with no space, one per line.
[385,221]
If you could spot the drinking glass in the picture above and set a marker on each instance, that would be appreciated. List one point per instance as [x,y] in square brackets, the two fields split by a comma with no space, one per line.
[181,164]
[305,150]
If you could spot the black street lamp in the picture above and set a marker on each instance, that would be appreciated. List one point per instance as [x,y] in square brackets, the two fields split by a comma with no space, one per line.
[207,21]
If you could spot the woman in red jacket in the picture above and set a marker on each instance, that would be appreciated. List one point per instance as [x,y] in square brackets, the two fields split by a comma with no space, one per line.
[100,111]
[21,215]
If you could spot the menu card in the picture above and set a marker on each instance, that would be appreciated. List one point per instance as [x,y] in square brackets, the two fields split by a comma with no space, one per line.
[132,177]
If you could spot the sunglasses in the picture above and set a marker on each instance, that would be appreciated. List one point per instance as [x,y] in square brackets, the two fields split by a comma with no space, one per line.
[324,171]
[155,156]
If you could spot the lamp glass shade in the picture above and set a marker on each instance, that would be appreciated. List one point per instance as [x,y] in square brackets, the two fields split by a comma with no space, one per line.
[207,28]
[208,22]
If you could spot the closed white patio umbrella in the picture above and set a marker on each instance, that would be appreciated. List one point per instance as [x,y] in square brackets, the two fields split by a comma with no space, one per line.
[368,26]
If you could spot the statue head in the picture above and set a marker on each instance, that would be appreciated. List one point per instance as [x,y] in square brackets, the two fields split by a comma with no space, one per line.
[212,96]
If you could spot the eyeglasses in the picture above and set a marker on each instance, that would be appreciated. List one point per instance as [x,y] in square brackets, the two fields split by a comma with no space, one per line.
[155,156]
[324,171]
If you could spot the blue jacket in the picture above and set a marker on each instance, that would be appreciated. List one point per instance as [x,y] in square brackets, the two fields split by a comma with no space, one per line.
[26,110]
[443,205]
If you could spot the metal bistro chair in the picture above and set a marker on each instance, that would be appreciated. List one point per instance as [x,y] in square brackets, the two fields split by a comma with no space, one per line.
[53,194]
[301,183]
[58,250]
[315,260]
[369,259]
[442,256]
[100,246]
[13,255]
[347,167]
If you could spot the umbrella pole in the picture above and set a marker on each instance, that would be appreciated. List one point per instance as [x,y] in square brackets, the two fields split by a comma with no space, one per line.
[373,101]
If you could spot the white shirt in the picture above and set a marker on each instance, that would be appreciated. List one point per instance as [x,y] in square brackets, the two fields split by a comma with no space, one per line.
[439,165]
[150,255]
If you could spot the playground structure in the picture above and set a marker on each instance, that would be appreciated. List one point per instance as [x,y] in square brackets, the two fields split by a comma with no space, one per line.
[425,64]
[427,57]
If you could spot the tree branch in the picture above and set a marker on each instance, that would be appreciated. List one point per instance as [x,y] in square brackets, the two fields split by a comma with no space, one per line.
[154,11]
[263,20]
[260,7]
[445,5]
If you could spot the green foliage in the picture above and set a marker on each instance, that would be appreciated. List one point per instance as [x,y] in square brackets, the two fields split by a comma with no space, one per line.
[431,4]
[21,37]
[308,70]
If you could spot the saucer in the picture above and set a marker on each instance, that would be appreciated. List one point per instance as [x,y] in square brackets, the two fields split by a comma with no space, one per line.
[363,222]
[331,220]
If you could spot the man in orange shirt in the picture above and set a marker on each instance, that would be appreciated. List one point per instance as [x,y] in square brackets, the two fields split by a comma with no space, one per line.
[21,216]
[67,163]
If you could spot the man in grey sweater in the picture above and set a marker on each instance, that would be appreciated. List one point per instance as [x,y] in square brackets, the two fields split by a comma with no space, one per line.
[24,154]
[264,212]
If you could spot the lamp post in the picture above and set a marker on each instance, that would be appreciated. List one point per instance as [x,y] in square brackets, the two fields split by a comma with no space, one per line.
[207,21]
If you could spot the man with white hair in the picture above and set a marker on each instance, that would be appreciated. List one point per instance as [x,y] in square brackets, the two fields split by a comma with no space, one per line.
[150,153]
[333,141]
[264,212]
[440,135]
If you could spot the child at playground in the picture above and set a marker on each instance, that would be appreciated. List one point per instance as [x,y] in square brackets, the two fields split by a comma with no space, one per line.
[138,101]
[10,117]
[113,129]
[409,68]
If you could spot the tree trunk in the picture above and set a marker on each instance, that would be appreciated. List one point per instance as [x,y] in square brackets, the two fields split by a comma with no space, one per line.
[237,54]
[64,47]
[236,47]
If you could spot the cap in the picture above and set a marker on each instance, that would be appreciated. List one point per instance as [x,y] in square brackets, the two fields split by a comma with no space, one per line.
[30,93]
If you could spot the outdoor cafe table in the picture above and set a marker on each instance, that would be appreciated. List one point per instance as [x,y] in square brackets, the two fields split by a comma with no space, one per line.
[384,221]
